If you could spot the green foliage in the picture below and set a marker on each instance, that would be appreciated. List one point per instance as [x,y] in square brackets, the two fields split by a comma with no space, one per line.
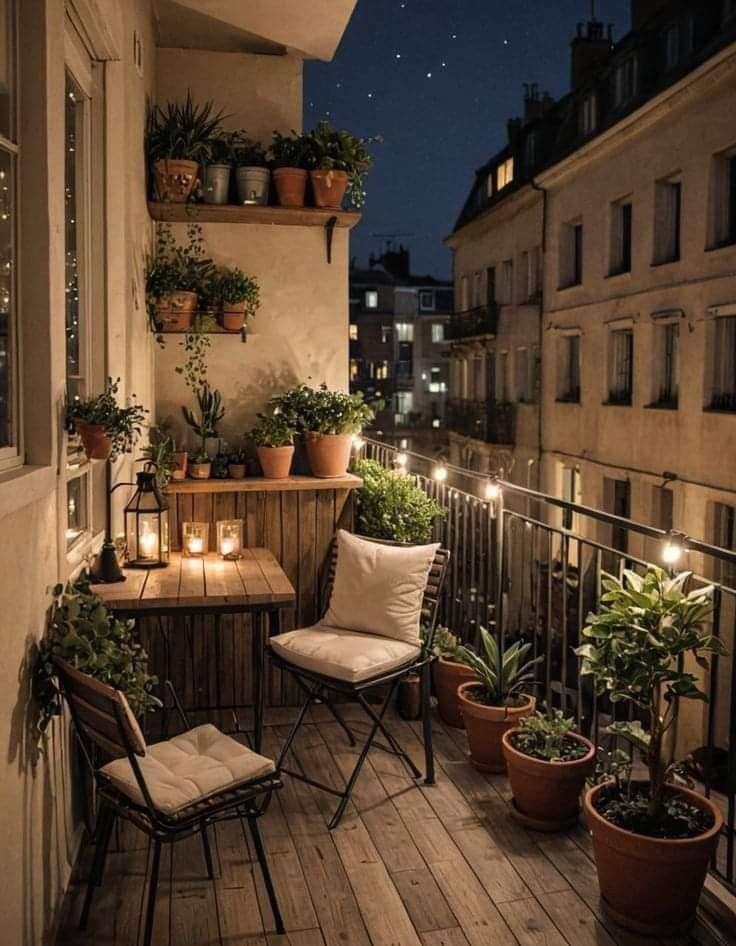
[445,643]
[232,286]
[503,676]
[249,153]
[391,506]
[160,451]
[182,132]
[289,151]
[219,465]
[635,650]
[548,737]
[323,411]
[272,430]
[337,150]
[236,455]
[223,147]
[123,425]
[211,413]
[81,631]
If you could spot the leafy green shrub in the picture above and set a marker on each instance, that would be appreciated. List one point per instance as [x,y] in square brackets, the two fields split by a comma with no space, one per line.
[391,506]
[444,642]
[330,149]
[249,153]
[182,132]
[548,738]
[160,452]
[232,287]
[123,425]
[272,430]
[323,411]
[503,676]
[289,151]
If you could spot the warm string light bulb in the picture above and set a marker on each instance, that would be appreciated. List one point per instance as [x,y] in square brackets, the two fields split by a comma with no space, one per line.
[673,549]
[401,459]
[439,473]
[358,442]
[492,490]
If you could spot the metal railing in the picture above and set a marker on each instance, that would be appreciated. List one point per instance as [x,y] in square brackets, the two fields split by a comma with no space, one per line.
[490,421]
[483,320]
[529,565]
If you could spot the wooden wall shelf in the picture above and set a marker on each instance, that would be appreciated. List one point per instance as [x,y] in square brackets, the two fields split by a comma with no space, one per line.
[259,484]
[234,213]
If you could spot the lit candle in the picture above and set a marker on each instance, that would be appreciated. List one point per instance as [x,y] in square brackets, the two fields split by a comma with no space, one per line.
[147,543]
[227,546]
[195,544]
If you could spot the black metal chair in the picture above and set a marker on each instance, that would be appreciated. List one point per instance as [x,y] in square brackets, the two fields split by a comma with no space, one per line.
[319,687]
[171,789]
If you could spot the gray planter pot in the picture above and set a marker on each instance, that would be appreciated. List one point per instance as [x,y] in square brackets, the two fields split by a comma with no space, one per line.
[253,185]
[216,187]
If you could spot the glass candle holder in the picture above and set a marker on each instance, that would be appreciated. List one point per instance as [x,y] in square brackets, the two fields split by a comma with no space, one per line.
[195,539]
[230,538]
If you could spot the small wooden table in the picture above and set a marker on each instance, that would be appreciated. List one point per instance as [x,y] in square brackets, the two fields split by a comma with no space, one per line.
[255,584]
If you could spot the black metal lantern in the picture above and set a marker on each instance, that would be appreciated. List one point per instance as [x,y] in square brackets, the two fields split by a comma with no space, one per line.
[147,525]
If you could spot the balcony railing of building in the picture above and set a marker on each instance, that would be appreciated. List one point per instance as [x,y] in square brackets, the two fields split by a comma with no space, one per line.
[530,566]
[489,421]
[482,320]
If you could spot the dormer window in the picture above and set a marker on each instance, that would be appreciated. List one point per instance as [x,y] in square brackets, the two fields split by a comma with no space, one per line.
[678,41]
[530,150]
[588,114]
[626,81]
[504,174]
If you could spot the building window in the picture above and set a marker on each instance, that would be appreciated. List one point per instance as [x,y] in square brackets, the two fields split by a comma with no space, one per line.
[426,300]
[626,80]
[617,500]
[570,493]
[724,536]
[464,296]
[533,271]
[589,114]
[723,202]
[436,384]
[438,332]
[490,285]
[436,422]
[724,368]
[404,406]
[729,9]
[354,369]
[621,377]
[678,41]
[522,379]
[667,221]
[504,174]
[371,299]
[568,379]
[571,254]
[490,184]
[387,334]
[507,281]
[10,444]
[621,223]
[476,290]
[404,331]
[667,375]
[379,370]
[502,377]
[353,332]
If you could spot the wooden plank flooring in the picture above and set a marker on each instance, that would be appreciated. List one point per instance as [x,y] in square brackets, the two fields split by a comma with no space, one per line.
[410,865]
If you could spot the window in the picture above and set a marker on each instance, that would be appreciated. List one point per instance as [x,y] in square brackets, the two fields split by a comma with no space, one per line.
[504,174]
[621,378]
[464,297]
[570,492]
[723,200]
[724,368]
[533,270]
[507,281]
[678,41]
[589,114]
[617,500]
[404,406]
[502,377]
[404,331]
[530,151]
[371,299]
[476,290]
[571,254]
[379,370]
[621,221]
[426,300]
[387,334]
[626,81]
[729,9]
[353,332]
[724,536]
[490,285]
[10,443]
[667,221]
[667,377]
[490,184]
[436,384]
[438,332]
[522,379]
[478,378]
[354,369]
[568,379]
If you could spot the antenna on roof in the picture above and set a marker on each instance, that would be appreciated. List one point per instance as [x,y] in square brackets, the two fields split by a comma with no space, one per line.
[592,10]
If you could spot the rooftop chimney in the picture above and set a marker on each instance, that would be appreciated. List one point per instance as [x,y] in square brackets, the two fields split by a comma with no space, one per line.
[535,106]
[591,49]
[396,262]
[643,10]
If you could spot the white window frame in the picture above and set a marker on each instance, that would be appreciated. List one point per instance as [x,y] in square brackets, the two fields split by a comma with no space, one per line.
[505,174]
[721,227]
[426,300]
[663,326]
[565,375]
[668,220]
[589,114]
[626,80]
[617,330]
[438,333]
[371,298]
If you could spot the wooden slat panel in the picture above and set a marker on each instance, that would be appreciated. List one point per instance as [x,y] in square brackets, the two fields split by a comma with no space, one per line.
[281,587]
[254,581]
[191,587]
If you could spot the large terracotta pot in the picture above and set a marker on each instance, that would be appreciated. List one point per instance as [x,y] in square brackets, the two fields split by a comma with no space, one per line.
[486,725]
[97,445]
[291,186]
[180,469]
[328,454]
[328,188]
[175,311]
[232,316]
[651,885]
[174,181]
[547,794]
[447,675]
[275,461]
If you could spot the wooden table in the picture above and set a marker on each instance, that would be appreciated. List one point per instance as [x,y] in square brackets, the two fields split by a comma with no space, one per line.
[255,584]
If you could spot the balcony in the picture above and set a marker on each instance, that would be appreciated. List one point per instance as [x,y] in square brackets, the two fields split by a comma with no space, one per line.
[482,320]
[489,421]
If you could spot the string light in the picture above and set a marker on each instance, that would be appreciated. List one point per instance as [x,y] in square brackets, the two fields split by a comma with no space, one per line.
[673,548]
[358,442]
[439,473]
[401,459]
[492,489]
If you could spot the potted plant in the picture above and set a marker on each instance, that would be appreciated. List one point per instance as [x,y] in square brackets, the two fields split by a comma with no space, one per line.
[393,507]
[652,840]
[204,425]
[273,436]
[251,172]
[548,764]
[179,139]
[236,463]
[494,702]
[338,160]
[105,429]
[289,158]
[161,454]
[177,277]
[239,297]
[447,674]
[217,171]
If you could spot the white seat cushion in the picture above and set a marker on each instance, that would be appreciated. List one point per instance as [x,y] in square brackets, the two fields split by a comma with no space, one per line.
[379,588]
[188,768]
[342,654]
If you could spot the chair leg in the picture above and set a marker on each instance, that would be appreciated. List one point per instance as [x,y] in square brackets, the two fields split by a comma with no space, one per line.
[393,743]
[152,885]
[106,846]
[104,828]
[427,725]
[295,728]
[207,852]
[339,718]
[261,854]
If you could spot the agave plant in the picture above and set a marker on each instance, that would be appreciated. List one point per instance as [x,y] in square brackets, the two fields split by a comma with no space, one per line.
[211,413]
[183,132]
[502,675]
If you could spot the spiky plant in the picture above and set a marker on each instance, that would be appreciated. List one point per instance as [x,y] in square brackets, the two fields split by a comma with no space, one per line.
[502,674]
[182,131]
[211,413]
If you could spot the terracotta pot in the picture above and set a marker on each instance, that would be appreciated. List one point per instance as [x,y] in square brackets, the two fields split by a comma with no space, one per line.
[200,471]
[275,461]
[175,311]
[291,186]
[174,181]
[97,445]
[328,454]
[447,675]
[486,725]
[180,469]
[650,885]
[253,184]
[547,794]
[232,317]
[328,188]
[236,471]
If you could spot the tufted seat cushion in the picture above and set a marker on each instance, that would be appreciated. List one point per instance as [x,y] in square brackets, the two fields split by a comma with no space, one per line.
[341,654]
[188,768]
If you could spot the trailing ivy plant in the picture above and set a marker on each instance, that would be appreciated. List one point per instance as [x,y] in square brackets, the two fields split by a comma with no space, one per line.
[548,737]
[81,631]
[123,425]
[502,675]
[391,506]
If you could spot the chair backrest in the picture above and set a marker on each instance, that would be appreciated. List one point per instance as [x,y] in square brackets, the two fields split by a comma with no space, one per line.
[101,713]
[432,591]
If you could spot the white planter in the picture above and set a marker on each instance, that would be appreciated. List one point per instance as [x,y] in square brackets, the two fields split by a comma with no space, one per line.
[253,185]
[216,187]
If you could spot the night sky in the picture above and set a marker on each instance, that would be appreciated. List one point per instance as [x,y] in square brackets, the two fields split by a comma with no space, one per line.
[438,79]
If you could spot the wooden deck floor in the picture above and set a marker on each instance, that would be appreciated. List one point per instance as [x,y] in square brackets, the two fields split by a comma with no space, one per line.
[409,866]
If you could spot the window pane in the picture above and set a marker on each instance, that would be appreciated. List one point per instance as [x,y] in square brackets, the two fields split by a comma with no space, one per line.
[76,509]
[7,70]
[73,115]
[8,408]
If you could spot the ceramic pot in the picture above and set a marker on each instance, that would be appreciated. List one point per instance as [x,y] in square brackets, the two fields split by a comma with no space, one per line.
[651,885]
[291,186]
[216,187]
[547,794]
[236,471]
[328,454]
[174,181]
[175,311]
[200,471]
[328,188]
[97,445]
[253,185]
[275,461]
[180,469]
[486,725]
[232,317]
[447,675]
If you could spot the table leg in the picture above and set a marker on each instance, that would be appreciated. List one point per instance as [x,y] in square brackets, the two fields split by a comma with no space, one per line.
[259,679]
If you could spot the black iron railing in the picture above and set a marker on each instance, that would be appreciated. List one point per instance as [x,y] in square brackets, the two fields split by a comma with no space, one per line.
[482,320]
[490,421]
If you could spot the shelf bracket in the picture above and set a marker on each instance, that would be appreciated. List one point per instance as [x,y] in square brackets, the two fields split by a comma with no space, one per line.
[329,233]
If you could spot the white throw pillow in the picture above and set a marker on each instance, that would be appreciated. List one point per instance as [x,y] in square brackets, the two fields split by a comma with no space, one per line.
[378,588]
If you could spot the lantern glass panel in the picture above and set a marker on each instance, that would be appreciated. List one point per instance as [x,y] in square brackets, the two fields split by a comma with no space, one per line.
[147,525]
[195,539]
[230,538]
